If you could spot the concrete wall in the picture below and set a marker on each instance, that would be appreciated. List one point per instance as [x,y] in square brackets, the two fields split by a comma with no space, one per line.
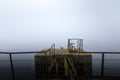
[82,63]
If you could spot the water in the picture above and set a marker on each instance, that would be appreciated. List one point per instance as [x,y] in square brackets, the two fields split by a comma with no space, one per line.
[111,64]
[24,66]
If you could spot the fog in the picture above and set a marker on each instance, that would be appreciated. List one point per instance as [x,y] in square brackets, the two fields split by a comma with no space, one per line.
[27,25]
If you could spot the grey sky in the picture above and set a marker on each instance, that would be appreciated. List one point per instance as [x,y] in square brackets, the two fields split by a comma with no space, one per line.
[36,24]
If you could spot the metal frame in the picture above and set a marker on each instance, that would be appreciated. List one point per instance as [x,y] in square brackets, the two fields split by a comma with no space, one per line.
[78,47]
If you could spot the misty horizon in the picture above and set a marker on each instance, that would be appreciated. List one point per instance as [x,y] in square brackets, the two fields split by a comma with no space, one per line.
[28,25]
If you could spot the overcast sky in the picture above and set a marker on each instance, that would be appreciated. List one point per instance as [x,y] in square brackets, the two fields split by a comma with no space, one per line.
[27,25]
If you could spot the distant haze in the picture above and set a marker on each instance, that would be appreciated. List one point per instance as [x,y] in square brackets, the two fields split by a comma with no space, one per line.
[27,25]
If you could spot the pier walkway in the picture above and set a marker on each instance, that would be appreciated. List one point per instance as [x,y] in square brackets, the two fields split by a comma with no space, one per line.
[62,65]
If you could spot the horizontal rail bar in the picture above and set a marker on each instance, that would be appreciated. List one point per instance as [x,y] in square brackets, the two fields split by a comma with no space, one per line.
[29,52]
[101,52]
[75,39]
[80,76]
[98,77]
[22,52]
[14,60]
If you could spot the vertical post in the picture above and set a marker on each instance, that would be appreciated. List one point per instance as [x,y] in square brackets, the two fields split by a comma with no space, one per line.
[12,69]
[81,46]
[54,49]
[102,65]
[68,44]
[45,53]
[78,49]
[78,46]
[66,66]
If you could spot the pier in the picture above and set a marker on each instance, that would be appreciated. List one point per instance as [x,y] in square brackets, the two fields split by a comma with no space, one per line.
[72,63]
[62,66]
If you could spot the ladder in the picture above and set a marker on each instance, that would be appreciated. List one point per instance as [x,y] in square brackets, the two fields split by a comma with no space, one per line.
[62,66]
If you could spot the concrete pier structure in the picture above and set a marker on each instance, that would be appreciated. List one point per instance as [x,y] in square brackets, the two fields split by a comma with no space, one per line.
[62,65]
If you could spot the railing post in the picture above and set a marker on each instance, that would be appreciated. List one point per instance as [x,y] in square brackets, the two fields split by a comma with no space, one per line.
[45,53]
[12,69]
[102,65]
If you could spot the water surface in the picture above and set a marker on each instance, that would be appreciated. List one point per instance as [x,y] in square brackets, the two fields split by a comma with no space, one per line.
[24,66]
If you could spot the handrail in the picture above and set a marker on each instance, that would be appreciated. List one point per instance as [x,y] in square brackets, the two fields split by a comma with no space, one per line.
[28,52]
[100,52]
[74,48]
[11,61]
[22,52]
[52,49]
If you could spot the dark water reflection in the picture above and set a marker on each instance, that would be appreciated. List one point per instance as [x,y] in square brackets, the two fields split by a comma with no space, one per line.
[24,66]
[111,65]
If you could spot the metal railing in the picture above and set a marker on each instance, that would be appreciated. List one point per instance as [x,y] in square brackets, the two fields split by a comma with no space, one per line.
[102,64]
[51,51]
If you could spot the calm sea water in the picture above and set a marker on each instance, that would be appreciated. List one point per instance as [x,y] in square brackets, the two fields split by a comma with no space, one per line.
[24,66]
